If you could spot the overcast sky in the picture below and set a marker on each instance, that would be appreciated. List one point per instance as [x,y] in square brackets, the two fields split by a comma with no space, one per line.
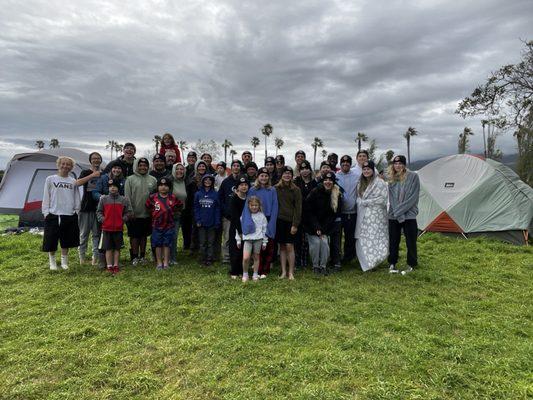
[89,71]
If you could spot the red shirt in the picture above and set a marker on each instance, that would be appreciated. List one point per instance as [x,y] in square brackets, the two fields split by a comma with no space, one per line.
[162,210]
[163,149]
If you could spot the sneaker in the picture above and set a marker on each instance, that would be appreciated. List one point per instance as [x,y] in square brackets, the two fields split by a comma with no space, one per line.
[159,268]
[94,261]
[336,268]
[317,271]
[256,277]
[64,266]
[409,269]
[116,270]
[233,276]
[245,278]
[109,268]
[53,267]
[135,261]
[262,276]
[165,266]
[82,260]
[392,269]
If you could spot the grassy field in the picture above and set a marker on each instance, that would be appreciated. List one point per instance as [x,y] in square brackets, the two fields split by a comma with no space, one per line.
[458,328]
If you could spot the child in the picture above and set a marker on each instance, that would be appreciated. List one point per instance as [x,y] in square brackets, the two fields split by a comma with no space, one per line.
[255,241]
[236,205]
[163,205]
[61,202]
[113,210]
[207,217]
[168,143]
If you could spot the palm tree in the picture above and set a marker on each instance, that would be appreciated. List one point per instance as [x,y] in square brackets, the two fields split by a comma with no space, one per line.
[157,140]
[389,155]
[317,142]
[232,153]
[361,137]
[118,149]
[484,122]
[182,144]
[111,144]
[226,145]
[463,145]
[278,142]
[408,135]
[324,154]
[54,143]
[267,131]
[255,142]
[39,144]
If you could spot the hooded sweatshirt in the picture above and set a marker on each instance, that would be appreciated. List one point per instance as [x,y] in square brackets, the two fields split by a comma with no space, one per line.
[206,208]
[102,186]
[138,188]
[269,204]
[179,187]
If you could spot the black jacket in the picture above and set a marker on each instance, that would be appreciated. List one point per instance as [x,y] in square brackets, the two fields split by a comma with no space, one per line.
[127,168]
[225,191]
[318,212]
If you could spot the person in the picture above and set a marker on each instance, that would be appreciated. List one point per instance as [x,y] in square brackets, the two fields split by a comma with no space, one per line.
[225,193]
[322,171]
[251,172]
[159,169]
[125,161]
[190,169]
[60,205]
[207,217]
[246,157]
[163,205]
[190,232]
[208,159]
[102,184]
[113,210]
[255,240]
[323,207]
[168,143]
[236,205]
[280,164]
[186,219]
[347,180]
[361,157]
[269,202]
[333,160]
[305,182]
[299,157]
[138,189]
[221,174]
[289,216]
[404,190]
[170,160]
[179,189]
[87,221]
[372,231]
[270,165]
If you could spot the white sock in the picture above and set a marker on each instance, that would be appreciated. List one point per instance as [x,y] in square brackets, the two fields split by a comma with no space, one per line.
[64,261]
[255,274]
[245,274]
[52,259]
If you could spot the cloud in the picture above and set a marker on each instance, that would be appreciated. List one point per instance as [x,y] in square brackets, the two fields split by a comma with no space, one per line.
[86,72]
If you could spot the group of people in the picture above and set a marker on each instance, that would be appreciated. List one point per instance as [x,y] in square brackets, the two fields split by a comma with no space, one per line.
[241,215]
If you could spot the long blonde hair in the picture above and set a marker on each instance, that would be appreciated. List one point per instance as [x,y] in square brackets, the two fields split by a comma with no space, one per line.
[257,185]
[335,194]
[256,200]
[364,183]
[396,176]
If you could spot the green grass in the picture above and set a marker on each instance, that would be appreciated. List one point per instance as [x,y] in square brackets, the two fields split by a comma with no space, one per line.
[8,221]
[458,328]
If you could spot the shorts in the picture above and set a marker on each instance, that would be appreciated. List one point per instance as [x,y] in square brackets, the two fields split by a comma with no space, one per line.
[252,246]
[63,229]
[139,228]
[162,237]
[111,241]
[283,232]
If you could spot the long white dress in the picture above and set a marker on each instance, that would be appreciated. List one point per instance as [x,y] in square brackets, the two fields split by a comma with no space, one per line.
[372,229]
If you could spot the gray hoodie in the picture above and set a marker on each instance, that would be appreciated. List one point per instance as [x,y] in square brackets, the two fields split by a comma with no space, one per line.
[403,197]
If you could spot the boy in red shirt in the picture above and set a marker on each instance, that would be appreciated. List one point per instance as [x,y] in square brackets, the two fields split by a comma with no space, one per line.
[113,210]
[163,205]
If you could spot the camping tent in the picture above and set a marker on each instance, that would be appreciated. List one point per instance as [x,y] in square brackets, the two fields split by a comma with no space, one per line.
[469,195]
[21,189]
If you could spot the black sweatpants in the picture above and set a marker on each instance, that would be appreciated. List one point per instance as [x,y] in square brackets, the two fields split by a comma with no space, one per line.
[410,231]
[235,254]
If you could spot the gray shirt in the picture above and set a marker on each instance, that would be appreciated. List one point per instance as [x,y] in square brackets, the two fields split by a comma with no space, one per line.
[403,197]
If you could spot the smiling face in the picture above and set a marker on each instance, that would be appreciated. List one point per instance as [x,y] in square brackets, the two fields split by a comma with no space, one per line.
[368,172]
[345,166]
[221,170]
[362,158]
[180,171]
[163,189]
[64,168]
[207,158]
[201,169]
[398,166]
[170,158]
[324,169]
[116,170]
[159,165]
[246,158]
[328,184]
[235,169]
[113,189]
[299,158]
[167,140]
[191,160]
[270,167]
[253,207]
[305,172]
[263,179]
[243,188]
[129,152]
[96,160]
[142,168]
[286,177]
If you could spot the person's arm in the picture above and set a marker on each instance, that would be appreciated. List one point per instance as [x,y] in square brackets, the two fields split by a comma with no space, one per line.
[378,196]
[297,217]
[127,211]
[77,200]
[264,225]
[45,206]
[98,190]
[197,208]
[100,211]
[85,177]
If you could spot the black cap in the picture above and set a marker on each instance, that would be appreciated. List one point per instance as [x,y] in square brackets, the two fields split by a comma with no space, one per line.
[270,160]
[163,181]
[280,158]
[262,170]
[251,164]
[114,182]
[129,144]
[222,164]
[242,180]
[333,155]
[401,159]
[192,154]
[143,160]
[325,163]
[346,158]
[158,157]
[305,164]
[299,152]
[369,164]
[236,162]
[286,168]
[208,176]
[246,152]
[331,176]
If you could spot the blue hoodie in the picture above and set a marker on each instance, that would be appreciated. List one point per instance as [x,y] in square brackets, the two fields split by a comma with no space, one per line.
[207,208]
[269,206]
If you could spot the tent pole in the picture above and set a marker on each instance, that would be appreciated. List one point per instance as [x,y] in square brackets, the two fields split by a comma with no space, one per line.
[421,233]
[462,233]
[525,233]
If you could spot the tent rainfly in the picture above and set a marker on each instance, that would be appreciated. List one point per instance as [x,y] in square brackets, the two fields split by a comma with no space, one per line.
[468,195]
[21,189]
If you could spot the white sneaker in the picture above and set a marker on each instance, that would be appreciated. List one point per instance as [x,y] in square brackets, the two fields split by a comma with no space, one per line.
[64,266]
[262,276]
[409,269]
[64,262]
[392,269]
[135,261]
[94,261]
[53,266]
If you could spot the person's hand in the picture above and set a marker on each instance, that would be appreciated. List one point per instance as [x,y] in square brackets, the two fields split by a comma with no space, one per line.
[264,246]
[95,174]
[294,230]
[198,225]
[239,245]
[318,232]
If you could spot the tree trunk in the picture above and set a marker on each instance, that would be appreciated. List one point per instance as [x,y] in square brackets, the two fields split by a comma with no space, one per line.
[408,152]
[484,143]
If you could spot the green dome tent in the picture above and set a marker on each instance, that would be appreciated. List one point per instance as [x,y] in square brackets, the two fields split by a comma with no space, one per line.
[468,195]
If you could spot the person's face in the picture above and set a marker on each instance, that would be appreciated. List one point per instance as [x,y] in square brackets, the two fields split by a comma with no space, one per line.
[207,183]
[180,171]
[325,169]
[280,164]
[242,188]
[305,172]
[159,164]
[398,166]
[167,141]
[235,169]
[96,160]
[263,178]
[170,158]
[368,172]
[254,207]
[362,158]
[116,170]
[113,189]
[246,158]
[221,170]
[299,158]
[65,167]
[163,189]
[333,160]
[191,160]
[270,167]
[328,184]
[128,151]
[201,169]
[345,166]
[286,177]
[142,168]
[251,172]
[207,159]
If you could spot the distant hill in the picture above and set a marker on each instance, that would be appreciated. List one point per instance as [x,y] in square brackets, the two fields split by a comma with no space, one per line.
[509,160]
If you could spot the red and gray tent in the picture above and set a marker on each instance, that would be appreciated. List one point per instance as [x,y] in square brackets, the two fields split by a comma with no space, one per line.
[468,195]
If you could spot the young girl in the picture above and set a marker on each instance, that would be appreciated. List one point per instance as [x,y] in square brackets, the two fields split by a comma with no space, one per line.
[290,212]
[256,240]
[207,218]
[168,143]
[269,203]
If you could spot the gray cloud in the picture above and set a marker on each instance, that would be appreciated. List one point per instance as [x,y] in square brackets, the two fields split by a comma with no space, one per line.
[86,72]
